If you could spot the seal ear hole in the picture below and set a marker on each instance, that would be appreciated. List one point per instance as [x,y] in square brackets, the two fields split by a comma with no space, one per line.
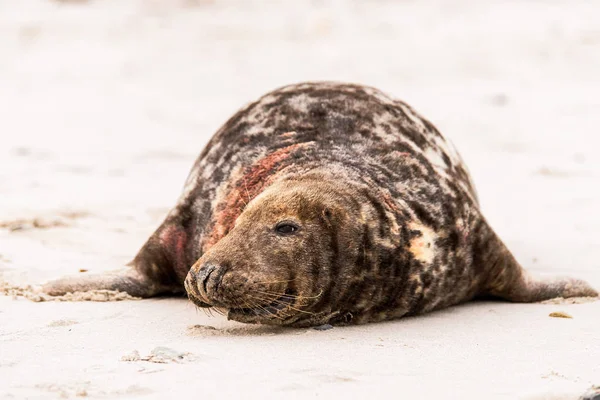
[326,215]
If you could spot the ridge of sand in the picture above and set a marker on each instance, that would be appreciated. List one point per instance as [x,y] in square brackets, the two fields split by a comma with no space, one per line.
[35,294]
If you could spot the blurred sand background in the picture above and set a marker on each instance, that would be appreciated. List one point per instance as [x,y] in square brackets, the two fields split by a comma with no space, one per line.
[104,106]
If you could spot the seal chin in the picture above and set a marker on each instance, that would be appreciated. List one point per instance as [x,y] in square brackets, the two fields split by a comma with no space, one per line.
[249,316]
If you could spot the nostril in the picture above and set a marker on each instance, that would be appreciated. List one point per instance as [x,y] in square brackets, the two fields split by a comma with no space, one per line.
[203,275]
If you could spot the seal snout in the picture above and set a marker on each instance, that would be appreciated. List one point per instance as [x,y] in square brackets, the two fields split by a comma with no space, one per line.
[202,284]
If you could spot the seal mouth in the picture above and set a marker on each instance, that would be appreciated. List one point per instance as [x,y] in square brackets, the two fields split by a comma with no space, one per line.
[273,311]
[277,305]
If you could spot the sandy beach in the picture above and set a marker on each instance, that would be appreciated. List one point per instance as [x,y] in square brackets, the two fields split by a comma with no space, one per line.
[106,104]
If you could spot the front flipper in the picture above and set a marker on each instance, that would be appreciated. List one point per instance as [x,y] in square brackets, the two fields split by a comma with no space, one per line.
[127,280]
[158,268]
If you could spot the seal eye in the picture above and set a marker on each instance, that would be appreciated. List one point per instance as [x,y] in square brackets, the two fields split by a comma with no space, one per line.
[286,228]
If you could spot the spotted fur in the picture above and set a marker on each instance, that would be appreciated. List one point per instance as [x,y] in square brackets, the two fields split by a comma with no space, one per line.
[389,221]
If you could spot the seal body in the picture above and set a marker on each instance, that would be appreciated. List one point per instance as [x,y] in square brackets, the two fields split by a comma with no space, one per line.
[327,203]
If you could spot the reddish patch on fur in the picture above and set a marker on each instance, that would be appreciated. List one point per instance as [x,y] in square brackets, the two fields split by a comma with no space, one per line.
[253,181]
[390,202]
[173,239]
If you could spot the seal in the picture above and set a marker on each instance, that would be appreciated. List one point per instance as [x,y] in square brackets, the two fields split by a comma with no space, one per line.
[327,203]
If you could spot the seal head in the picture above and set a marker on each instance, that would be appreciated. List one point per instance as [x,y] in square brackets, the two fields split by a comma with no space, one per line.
[277,263]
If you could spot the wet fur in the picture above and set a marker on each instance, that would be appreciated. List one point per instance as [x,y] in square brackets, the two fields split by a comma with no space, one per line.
[390,221]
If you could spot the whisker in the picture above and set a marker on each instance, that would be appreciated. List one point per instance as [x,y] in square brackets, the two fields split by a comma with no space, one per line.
[291,296]
[267,282]
[270,313]
[256,305]
[285,304]
[219,311]
[299,302]
[249,307]
[249,304]
[246,305]
[269,297]
[237,304]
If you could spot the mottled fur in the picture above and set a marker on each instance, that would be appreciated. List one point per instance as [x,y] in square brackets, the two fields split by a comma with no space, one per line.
[387,216]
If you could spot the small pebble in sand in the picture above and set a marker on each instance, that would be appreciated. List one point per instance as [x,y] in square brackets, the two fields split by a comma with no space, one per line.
[164,355]
[203,330]
[559,314]
[133,356]
[61,322]
[160,355]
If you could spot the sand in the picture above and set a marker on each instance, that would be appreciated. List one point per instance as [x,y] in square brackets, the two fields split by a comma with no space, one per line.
[105,105]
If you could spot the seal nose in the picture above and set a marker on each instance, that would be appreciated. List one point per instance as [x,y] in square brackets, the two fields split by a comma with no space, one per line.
[208,278]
